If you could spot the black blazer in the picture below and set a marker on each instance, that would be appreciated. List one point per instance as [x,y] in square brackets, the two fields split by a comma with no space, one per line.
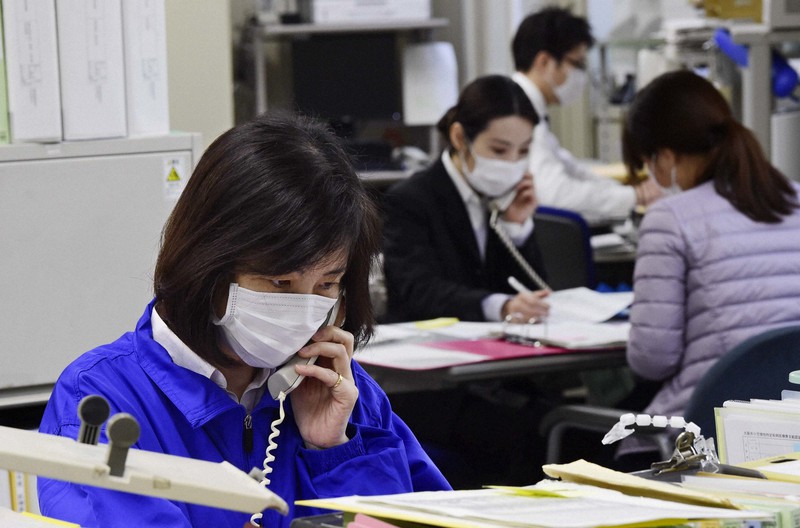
[431,260]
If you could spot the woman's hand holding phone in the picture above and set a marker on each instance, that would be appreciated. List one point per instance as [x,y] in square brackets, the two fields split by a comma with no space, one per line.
[524,203]
[323,403]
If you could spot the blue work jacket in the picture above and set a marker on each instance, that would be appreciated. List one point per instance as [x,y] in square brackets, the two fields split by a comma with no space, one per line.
[183,413]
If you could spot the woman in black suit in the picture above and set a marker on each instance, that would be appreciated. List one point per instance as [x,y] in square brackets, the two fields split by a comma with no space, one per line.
[441,257]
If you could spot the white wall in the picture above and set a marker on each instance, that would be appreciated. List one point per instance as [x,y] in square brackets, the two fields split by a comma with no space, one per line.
[200,67]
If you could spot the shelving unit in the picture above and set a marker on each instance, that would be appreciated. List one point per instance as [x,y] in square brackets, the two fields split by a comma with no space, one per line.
[262,33]
[80,225]
[757,77]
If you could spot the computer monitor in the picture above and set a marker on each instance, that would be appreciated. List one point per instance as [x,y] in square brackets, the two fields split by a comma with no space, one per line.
[347,78]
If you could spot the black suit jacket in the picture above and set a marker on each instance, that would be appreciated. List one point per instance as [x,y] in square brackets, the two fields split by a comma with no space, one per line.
[431,260]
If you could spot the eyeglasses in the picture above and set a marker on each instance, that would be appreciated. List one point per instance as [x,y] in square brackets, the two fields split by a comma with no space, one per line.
[578,64]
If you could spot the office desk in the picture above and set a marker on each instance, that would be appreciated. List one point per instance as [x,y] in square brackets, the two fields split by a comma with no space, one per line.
[398,371]
[395,381]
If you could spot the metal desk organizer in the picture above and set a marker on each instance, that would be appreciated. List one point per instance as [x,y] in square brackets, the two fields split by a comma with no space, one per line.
[693,452]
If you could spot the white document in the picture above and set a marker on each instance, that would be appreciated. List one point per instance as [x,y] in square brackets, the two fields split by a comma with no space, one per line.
[145,49]
[408,356]
[470,330]
[574,335]
[753,433]
[583,304]
[385,333]
[586,507]
[92,69]
[18,520]
[31,47]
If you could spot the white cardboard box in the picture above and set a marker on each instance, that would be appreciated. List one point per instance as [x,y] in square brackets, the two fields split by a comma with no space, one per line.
[92,69]
[32,67]
[339,11]
[145,49]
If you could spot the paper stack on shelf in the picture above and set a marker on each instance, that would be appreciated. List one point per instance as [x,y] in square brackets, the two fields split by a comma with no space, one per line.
[756,429]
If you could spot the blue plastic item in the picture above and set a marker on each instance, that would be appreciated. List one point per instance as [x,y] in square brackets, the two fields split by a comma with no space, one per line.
[784,77]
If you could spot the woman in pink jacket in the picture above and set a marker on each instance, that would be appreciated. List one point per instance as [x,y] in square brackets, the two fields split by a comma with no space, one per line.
[719,260]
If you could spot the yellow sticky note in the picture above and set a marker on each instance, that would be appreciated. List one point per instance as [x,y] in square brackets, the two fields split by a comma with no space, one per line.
[49,520]
[436,323]
[529,492]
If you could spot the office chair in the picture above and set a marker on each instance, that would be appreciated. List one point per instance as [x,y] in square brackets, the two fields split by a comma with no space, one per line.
[563,238]
[758,367]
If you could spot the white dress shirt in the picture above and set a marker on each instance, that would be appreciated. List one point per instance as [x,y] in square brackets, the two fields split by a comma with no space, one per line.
[184,357]
[492,305]
[560,180]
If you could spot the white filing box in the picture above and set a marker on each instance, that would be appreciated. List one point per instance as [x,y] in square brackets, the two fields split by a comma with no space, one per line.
[80,224]
[339,11]
[91,67]
[145,48]
[31,47]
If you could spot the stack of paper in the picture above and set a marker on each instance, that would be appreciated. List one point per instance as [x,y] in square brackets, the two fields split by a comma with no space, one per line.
[756,429]
[547,504]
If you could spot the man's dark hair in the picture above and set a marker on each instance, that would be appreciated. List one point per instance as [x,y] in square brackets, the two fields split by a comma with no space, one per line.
[554,30]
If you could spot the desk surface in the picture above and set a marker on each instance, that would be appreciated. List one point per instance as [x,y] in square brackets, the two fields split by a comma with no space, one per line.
[395,381]
[405,376]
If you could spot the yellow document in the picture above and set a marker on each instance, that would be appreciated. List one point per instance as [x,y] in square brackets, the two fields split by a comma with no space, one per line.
[583,472]
[782,467]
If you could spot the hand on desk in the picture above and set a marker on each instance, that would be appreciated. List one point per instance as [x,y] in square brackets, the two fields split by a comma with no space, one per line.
[530,305]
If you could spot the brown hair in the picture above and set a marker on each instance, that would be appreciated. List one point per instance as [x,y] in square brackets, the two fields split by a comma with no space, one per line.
[683,112]
[271,196]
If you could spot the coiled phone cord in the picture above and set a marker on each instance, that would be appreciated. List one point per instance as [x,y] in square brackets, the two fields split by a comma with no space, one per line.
[509,244]
[255,519]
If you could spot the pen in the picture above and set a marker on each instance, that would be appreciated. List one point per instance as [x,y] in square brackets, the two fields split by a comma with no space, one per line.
[517,285]
[520,288]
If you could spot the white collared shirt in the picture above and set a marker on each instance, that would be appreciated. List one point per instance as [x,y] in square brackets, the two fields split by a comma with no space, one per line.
[184,357]
[560,179]
[492,305]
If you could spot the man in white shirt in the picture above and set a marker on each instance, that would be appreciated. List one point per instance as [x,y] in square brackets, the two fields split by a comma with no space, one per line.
[549,50]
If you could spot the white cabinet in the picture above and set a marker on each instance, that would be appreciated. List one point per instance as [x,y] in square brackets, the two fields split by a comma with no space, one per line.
[80,224]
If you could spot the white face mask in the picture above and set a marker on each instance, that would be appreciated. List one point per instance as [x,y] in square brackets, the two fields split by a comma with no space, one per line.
[674,188]
[266,329]
[572,87]
[493,177]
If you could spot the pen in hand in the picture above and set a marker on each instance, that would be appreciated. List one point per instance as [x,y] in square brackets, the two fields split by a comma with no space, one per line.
[521,288]
[517,285]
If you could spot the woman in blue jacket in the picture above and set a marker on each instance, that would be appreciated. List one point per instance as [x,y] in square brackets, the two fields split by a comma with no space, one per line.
[273,228]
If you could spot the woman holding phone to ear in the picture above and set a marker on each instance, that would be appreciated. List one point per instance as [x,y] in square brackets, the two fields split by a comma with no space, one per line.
[441,257]
[273,228]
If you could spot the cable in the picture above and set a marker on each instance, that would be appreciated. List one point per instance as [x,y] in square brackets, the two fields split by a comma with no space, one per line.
[509,244]
[255,519]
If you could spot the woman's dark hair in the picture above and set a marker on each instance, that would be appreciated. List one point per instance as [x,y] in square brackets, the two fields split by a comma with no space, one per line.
[554,30]
[484,99]
[683,112]
[272,196]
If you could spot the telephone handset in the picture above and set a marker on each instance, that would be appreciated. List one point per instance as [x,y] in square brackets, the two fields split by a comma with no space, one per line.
[517,256]
[285,379]
[501,203]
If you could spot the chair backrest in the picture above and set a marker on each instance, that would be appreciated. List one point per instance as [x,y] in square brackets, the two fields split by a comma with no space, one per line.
[758,367]
[563,239]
